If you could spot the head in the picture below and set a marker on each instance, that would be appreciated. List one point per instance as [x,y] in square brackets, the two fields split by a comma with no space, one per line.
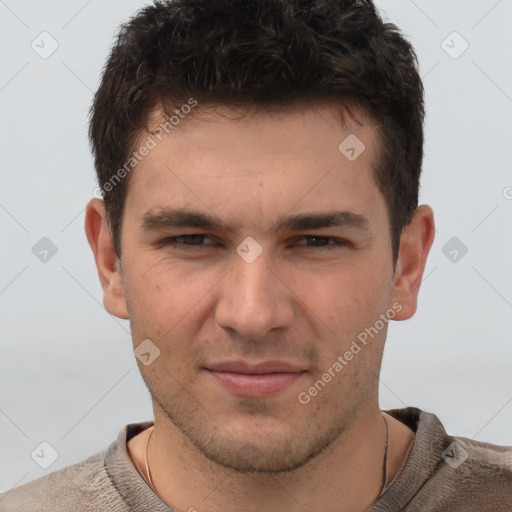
[260,164]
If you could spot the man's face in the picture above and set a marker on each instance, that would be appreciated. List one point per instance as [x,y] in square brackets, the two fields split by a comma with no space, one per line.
[246,326]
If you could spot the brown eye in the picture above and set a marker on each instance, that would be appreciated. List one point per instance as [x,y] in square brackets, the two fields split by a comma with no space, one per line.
[186,241]
[321,241]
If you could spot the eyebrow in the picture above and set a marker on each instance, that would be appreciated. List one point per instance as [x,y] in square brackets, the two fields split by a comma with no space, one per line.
[162,218]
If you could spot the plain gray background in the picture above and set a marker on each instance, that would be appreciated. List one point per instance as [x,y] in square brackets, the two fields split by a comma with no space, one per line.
[68,374]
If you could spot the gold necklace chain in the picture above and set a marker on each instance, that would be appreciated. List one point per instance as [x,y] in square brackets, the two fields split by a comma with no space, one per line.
[148,471]
[385,461]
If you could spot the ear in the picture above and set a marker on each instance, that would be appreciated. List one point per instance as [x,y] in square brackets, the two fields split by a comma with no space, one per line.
[415,244]
[107,263]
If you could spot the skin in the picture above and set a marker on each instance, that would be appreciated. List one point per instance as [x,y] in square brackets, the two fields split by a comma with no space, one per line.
[300,302]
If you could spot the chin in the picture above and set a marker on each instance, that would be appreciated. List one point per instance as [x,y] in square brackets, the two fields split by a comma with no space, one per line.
[261,445]
[257,456]
[257,436]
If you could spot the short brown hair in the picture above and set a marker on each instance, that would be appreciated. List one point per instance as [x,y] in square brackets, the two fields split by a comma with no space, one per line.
[262,53]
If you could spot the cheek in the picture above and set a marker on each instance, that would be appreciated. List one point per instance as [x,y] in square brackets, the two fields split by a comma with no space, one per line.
[349,296]
[345,307]
[165,297]
[166,309]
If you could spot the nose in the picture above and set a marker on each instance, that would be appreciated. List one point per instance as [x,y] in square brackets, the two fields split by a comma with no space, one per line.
[253,300]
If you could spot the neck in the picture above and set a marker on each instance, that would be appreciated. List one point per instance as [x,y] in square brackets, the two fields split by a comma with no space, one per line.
[345,477]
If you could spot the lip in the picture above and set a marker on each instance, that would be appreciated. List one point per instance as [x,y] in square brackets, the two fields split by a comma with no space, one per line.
[260,380]
[260,368]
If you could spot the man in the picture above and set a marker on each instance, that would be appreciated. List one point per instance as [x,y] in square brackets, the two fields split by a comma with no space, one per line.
[260,227]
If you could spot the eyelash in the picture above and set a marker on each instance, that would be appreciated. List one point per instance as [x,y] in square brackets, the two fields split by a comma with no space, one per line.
[338,242]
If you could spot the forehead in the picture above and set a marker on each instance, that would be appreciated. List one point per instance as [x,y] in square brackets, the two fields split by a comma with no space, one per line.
[227,159]
[304,125]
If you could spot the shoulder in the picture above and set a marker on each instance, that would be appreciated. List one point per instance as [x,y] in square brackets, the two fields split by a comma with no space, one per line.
[446,472]
[485,460]
[85,486]
[471,476]
[462,459]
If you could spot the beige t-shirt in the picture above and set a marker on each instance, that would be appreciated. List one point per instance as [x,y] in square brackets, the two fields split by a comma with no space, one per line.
[441,473]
